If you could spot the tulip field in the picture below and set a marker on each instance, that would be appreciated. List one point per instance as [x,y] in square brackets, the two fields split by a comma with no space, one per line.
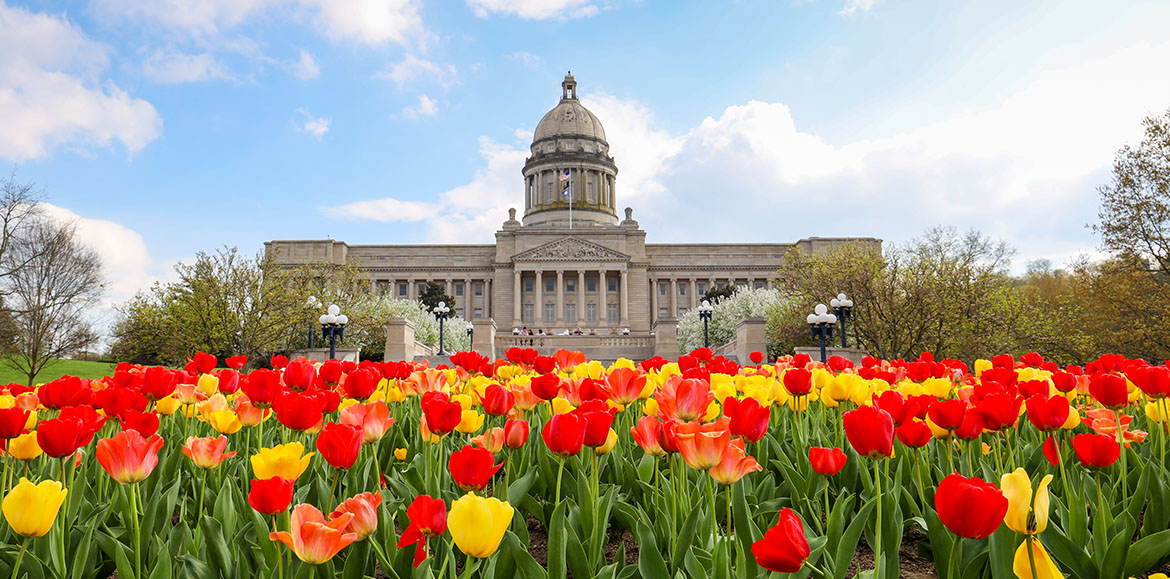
[557,466]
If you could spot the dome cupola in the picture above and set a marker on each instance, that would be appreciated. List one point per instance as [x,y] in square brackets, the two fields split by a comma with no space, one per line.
[570,164]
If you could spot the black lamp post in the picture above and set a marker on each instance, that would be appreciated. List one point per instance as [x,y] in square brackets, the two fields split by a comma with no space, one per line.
[705,311]
[441,312]
[470,336]
[842,306]
[333,328]
[821,323]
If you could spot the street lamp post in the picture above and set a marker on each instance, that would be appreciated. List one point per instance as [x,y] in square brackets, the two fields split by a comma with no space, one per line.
[312,303]
[705,311]
[441,312]
[333,327]
[842,306]
[470,336]
[821,323]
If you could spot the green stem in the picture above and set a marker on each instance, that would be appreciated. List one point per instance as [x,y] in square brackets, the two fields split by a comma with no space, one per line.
[1121,443]
[1031,555]
[956,554]
[560,473]
[877,489]
[333,487]
[468,566]
[19,558]
[137,530]
[279,553]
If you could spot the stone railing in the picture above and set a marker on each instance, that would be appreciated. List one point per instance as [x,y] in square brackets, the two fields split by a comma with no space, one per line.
[604,348]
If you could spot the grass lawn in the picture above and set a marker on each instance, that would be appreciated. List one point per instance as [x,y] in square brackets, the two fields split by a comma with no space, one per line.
[57,369]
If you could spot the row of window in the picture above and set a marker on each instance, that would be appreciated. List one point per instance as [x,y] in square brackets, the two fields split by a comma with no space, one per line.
[550,285]
[550,313]
[700,287]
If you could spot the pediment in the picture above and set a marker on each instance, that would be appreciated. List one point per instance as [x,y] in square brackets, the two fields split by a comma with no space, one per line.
[570,249]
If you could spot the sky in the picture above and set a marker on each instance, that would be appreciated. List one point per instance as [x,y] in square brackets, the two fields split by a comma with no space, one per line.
[170,127]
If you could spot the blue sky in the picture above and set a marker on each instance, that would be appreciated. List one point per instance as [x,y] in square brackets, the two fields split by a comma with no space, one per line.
[175,126]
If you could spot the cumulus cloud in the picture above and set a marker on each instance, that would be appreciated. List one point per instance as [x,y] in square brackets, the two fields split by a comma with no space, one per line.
[412,68]
[177,68]
[426,107]
[854,6]
[306,67]
[534,9]
[52,92]
[316,126]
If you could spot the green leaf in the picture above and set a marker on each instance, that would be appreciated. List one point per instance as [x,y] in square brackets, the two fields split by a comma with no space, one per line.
[357,557]
[557,541]
[1145,554]
[1070,554]
[848,543]
[685,537]
[218,553]
[650,562]
[1002,545]
[745,528]
[526,566]
[519,488]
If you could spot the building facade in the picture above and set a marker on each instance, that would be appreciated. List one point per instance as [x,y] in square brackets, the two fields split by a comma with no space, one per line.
[571,262]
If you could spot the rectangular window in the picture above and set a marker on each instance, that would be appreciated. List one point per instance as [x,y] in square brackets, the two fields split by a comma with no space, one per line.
[571,285]
[478,313]
[528,285]
[720,284]
[663,312]
[680,312]
[701,287]
[759,285]
[401,290]
[528,313]
[550,285]
[682,288]
[550,312]
[590,285]
[591,313]
[478,288]
[611,312]
[571,313]
[458,290]
[418,291]
[459,312]
[662,288]
[612,284]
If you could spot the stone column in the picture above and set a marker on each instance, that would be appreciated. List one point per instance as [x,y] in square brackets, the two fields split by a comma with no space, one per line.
[538,309]
[517,292]
[602,307]
[488,297]
[769,283]
[560,296]
[468,303]
[483,337]
[653,300]
[411,289]
[673,297]
[694,293]
[624,296]
[580,296]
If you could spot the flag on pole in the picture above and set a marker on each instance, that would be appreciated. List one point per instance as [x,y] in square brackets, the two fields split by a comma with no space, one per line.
[565,176]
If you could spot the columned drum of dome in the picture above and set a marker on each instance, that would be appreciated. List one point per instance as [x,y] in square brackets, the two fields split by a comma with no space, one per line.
[570,166]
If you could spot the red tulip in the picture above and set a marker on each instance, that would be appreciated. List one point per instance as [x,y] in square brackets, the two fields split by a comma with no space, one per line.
[158,383]
[279,361]
[442,415]
[236,362]
[299,374]
[1096,450]
[756,357]
[202,363]
[625,385]
[999,411]
[271,495]
[546,386]
[544,364]
[146,423]
[947,414]
[1047,414]
[971,428]
[300,411]
[1052,451]
[361,383]
[1109,389]
[1154,381]
[339,444]
[515,433]
[1064,381]
[229,380]
[12,422]
[684,399]
[970,507]
[827,461]
[748,418]
[90,421]
[373,418]
[798,381]
[497,400]
[598,418]
[59,437]
[471,467]
[129,457]
[648,434]
[330,372]
[64,392]
[900,409]
[262,388]
[115,401]
[428,518]
[564,434]
[870,431]
[784,548]
[914,433]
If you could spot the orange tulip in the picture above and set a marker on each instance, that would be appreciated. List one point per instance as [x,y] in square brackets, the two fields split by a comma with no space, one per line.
[207,452]
[373,418]
[312,539]
[734,464]
[702,445]
[364,508]
[129,457]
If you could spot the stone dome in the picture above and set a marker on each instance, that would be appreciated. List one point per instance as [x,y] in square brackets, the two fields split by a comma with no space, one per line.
[569,117]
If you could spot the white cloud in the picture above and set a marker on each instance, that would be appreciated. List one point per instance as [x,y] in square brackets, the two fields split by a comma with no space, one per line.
[306,68]
[178,68]
[641,149]
[426,107]
[534,9]
[854,6]
[384,210]
[526,58]
[371,22]
[412,68]
[316,126]
[51,92]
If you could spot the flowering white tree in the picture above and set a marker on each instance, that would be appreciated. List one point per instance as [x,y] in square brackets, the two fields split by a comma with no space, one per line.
[728,312]
[371,312]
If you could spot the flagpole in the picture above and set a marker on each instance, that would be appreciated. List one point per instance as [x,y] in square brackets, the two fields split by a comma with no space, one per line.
[570,201]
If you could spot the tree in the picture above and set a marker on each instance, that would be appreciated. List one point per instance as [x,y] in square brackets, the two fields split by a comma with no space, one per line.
[19,207]
[717,294]
[433,293]
[728,312]
[51,280]
[1135,205]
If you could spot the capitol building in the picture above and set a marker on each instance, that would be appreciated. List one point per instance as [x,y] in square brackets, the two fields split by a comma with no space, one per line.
[572,260]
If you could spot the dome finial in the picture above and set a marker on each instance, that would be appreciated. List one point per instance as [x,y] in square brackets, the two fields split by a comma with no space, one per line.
[569,87]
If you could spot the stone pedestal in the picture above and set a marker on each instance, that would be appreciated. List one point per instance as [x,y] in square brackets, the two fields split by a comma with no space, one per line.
[666,338]
[399,340]
[750,336]
[852,354]
[483,338]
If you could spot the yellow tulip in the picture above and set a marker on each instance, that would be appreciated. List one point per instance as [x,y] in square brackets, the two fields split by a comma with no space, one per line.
[1017,488]
[650,408]
[1154,413]
[713,411]
[610,442]
[400,453]
[723,392]
[1158,576]
[283,460]
[471,422]
[208,384]
[981,365]
[622,363]
[937,430]
[30,509]
[463,400]
[225,421]
[477,525]
[561,406]
[167,406]
[1045,568]
[25,446]
[1073,420]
